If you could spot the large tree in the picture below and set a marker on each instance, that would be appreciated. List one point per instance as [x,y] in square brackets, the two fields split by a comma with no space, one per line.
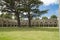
[19,6]
[12,6]
[32,6]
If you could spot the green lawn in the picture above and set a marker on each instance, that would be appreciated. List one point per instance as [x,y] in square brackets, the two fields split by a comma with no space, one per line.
[35,33]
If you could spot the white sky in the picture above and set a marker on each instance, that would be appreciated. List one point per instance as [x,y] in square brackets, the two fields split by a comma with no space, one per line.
[48,2]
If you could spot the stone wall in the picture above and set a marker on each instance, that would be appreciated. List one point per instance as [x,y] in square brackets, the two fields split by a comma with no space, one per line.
[41,22]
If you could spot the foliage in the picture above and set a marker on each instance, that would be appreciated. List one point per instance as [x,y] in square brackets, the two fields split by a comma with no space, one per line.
[19,6]
[44,17]
[54,16]
[9,16]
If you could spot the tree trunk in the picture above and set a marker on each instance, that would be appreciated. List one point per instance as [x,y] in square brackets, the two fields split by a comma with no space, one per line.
[29,19]
[29,16]
[18,19]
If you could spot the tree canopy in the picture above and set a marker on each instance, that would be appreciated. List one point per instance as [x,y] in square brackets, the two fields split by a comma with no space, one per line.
[7,15]
[45,17]
[20,6]
[53,17]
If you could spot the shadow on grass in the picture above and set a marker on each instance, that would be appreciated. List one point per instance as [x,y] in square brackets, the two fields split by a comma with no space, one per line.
[8,29]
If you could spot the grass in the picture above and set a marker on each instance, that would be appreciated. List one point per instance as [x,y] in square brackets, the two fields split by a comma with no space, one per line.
[26,33]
